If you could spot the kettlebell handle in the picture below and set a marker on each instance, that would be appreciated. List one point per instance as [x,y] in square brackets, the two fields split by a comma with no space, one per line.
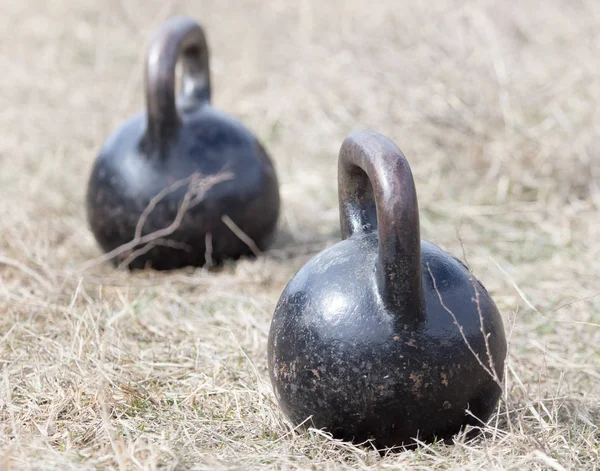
[377,192]
[178,38]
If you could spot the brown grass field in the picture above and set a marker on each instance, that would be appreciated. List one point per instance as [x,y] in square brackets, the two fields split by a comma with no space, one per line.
[495,105]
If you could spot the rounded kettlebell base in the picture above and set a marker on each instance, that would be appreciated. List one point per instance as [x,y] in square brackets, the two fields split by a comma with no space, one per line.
[395,425]
[162,260]
[188,246]
[471,427]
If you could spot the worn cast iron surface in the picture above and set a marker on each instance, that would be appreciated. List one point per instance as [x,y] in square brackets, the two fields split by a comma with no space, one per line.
[161,155]
[365,338]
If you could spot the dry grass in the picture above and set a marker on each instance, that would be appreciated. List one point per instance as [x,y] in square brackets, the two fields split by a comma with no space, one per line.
[496,107]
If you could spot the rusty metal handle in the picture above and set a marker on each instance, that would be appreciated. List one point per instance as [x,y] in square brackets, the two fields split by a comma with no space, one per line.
[178,38]
[377,192]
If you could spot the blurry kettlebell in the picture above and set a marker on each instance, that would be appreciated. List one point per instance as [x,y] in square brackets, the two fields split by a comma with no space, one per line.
[382,336]
[181,169]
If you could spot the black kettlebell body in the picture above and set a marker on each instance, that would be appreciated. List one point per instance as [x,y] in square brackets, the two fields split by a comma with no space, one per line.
[172,177]
[382,336]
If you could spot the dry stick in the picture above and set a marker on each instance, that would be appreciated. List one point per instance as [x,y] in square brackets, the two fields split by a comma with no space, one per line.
[587,298]
[338,442]
[157,199]
[202,187]
[477,302]
[515,286]
[208,261]
[506,388]
[293,429]
[460,329]
[541,456]
[241,235]
[506,359]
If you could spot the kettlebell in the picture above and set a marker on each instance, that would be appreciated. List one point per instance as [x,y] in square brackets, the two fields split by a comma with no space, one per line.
[188,182]
[382,337]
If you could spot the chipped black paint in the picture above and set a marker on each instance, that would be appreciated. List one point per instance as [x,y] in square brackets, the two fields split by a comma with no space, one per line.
[170,143]
[360,341]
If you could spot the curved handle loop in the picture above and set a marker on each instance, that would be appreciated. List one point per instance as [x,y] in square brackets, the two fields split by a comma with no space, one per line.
[377,191]
[179,37]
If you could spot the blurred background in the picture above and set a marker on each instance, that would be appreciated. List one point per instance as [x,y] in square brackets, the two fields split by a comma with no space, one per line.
[493,104]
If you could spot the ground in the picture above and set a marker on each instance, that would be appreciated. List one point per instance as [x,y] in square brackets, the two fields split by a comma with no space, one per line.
[495,106]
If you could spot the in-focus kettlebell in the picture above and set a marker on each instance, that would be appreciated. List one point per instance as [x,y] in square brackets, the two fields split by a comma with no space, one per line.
[382,336]
[172,178]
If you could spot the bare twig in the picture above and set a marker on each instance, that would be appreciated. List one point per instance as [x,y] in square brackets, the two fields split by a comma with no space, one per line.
[241,235]
[490,372]
[484,334]
[198,186]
